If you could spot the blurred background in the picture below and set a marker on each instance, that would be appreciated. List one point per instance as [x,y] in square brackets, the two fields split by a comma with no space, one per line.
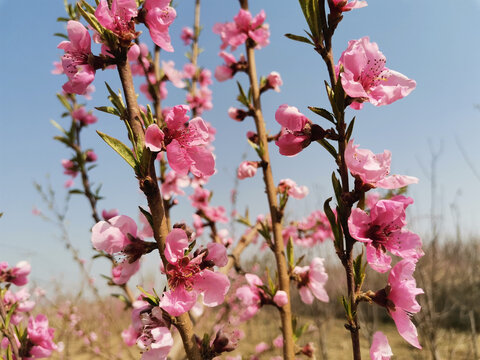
[432,134]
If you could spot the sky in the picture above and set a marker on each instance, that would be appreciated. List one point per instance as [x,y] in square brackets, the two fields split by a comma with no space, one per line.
[433,43]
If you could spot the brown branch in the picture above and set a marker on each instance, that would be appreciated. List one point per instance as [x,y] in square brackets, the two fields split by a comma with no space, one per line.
[278,248]
[149,185]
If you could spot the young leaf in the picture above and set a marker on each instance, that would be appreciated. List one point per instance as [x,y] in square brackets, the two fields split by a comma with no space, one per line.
[290,254]
[108,110]
[348,134]
[64,102]
[147,215]
[120,148]
[323,113]
[299,38]
[58,126]
[329,147]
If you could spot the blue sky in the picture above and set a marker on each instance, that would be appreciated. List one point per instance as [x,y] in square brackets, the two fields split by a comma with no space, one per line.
[431,43]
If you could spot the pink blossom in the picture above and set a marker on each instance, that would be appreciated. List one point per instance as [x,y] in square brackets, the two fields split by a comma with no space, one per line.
[345,5]
[138,55]
[200,198]
[75,61]
[205,78]
[382,230]
[124,271]
[236,114]
[226,71]
[216,214]
[402,294]
[365,77]
[175,76]
[274,81]
[295,133]
[380,349]
[41,337]
[251,296]
[187,35]
[278,341]
[69,168]
[247,169]
[189,70]
[308,232]
[158,345]
[159,17]
[90,156]
[83,116]
[57,68]
[201,100]
[217,253]
[119,18]
[235,33]
[111,236]
[68,184]
[373,169]
[189,276]
[292,189]
[173,183]
[185,144]
[108,214]
[198,225]
[261,347]
[312,280]
[16,275]
[280,298]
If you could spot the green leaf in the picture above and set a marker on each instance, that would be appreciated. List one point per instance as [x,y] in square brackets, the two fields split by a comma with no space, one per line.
[148,296]
[336,229]
[76,191]
[60,35]
[348,308]
[64,140]
[337,187]
[147,215]
[64,102]
[64,19]
[329,147]
[108,110]
[116,99]
[120,148]
[91,19]
[299,38]
[271,284]
[348,134]
[323,113]
[358,270]
[241,96]
[58,126]
[290,254]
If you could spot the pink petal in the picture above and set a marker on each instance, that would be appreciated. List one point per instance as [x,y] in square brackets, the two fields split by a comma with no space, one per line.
[154,138]
[214,287]
[178,301]
[175,245]
[405,327]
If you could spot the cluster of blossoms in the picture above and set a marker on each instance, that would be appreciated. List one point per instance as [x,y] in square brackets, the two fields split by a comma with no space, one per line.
[119,236]
[191,274]
[207,214]
[78,62]
[313,230]
[38,340]
[149,331]
[242,28]
[185,142]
